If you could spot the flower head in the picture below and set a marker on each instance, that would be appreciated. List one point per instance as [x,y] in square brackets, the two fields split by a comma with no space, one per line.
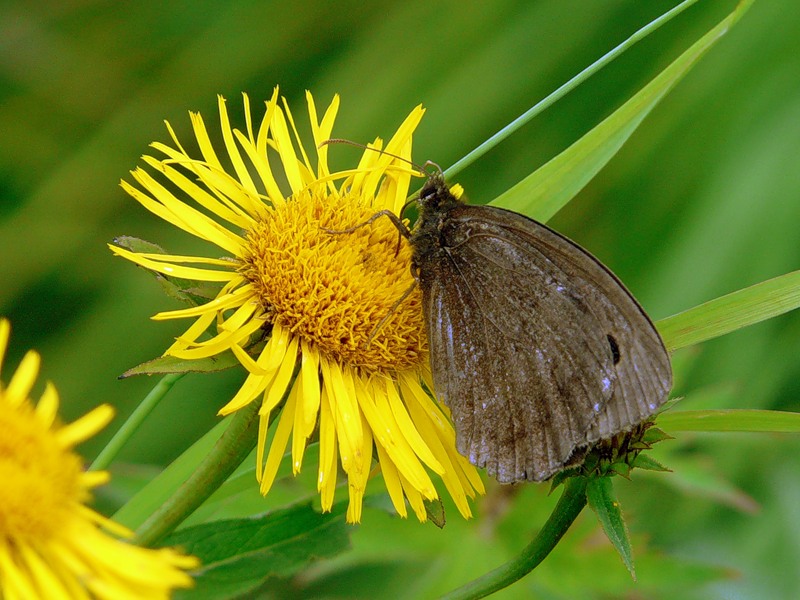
[51,544]
[346,356]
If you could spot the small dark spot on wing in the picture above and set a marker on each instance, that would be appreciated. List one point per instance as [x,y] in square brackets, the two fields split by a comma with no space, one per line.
[614,348]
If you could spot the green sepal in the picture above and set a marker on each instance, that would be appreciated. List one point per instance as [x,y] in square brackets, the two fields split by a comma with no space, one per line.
[559,478]
[654,435]
[621,468]
[435,511]
[601,497]
[646,462]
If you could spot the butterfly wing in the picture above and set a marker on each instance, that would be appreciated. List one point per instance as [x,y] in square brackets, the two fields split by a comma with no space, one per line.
[536,347]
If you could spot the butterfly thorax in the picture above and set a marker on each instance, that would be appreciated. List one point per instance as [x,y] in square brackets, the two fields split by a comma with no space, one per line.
[435,205]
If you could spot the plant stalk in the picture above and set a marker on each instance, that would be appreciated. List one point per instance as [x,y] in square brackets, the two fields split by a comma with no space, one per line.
[566,511]
[228,453]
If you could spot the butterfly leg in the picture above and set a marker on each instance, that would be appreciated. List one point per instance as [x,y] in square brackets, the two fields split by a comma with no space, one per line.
[394,307]
[402,229]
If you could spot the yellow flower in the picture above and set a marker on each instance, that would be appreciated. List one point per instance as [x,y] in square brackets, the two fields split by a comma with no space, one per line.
[51,544]
[348,361]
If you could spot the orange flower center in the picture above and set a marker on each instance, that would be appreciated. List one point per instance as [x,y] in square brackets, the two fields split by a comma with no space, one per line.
[340,291]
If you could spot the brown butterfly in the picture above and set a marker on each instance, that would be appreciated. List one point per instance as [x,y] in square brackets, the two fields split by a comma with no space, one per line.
[536,347]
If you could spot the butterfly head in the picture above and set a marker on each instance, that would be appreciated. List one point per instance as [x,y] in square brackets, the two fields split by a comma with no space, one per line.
[435,195]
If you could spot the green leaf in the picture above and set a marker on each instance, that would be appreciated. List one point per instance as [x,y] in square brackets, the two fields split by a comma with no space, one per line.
[139,245]
[238,555]
[543,193]
[601,497]
[731,420]
[731,312]
[190,291]
[164,365]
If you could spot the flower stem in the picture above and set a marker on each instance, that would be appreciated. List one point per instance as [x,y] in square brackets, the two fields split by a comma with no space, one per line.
[566,511]
[129,427]
[228,453]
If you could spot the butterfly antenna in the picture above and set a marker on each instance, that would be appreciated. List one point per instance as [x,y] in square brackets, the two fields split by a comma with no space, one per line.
[421,169]
[430,163]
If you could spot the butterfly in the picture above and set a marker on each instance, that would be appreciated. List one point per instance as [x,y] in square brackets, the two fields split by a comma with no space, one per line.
[537,348]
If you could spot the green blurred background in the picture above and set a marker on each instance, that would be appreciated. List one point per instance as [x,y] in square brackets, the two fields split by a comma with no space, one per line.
[703,200]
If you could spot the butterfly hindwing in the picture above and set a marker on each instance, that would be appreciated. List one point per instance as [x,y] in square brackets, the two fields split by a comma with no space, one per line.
[536,347]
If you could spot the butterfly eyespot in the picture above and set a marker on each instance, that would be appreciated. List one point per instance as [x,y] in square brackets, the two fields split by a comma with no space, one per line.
[614,348]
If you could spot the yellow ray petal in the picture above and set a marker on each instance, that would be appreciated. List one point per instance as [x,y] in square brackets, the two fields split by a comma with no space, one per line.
[288,157]
[19,388]
[248,118]
[298,141]
[252,387]
[459,477]
[229,211]
[171,269]
[414,499]
[189,337]
[392,480]
[181,214]
[262,165]
[364,182]
[279,443]
[283,376]
[242,173]
[47,407]
[326,477]
[398,144]
[309,373]
[321,131]
[387,434]
[345,409]
[247,361]
[225,340]
[408,429]
[227,189]
[5,332]
[201,135]
[263,429]
[88,425]
[219,303]
[298,437]
[182,258]
[357,480]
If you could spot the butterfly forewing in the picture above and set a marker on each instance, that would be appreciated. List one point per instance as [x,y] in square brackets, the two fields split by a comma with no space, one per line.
[537,348]
[642,363]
